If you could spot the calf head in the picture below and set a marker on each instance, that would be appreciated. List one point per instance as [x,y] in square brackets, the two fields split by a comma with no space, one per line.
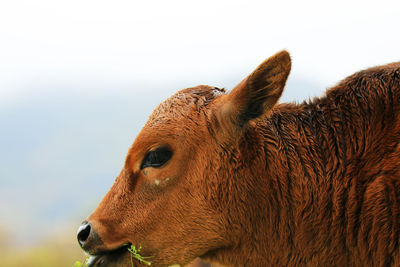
[181,174]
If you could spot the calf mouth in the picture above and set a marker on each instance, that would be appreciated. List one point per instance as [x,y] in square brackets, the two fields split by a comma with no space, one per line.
[109,258]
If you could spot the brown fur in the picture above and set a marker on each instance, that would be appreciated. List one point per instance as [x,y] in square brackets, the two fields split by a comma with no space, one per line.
[252,183]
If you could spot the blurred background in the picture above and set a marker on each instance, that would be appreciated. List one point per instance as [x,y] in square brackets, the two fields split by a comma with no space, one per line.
[78,80]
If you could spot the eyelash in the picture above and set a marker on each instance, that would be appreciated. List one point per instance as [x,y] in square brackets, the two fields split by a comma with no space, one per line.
[156,158]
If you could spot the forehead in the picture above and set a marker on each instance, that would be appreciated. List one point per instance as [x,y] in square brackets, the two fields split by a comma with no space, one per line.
[172,120]
[186,103]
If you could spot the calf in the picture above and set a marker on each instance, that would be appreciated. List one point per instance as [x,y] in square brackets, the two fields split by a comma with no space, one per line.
[237,179]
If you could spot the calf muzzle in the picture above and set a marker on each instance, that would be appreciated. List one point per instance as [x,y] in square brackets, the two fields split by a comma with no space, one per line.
[88,238]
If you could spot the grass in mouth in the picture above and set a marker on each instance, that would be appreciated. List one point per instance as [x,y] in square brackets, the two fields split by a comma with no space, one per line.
[80,264]
[135,254]
[133,251]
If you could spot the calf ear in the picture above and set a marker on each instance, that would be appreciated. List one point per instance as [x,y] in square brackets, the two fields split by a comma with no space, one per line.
[259,92]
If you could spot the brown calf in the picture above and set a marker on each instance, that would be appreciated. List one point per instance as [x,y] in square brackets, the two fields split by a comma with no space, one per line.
[236,179]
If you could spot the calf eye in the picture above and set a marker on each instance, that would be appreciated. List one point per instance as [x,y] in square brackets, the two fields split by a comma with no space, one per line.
[156,158]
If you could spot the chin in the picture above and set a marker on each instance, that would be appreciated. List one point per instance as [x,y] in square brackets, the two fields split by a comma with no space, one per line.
[117,258]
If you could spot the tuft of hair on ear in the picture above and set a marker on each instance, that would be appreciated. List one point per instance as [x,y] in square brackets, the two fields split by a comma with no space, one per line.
[258,93]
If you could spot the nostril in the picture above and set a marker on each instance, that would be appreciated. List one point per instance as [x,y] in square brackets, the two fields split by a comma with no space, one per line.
[84,232]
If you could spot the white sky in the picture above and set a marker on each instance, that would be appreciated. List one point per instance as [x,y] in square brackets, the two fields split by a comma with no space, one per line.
[87,42]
